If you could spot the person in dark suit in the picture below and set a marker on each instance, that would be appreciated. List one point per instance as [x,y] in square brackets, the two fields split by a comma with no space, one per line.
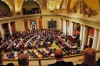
[10,64]
[98,61]
[23,60]
[59,59]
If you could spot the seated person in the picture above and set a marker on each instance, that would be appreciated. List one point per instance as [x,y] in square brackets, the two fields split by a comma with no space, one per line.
[98,60]
[10,64]
[89,58]
[23,60]
[59,59]
[1,61]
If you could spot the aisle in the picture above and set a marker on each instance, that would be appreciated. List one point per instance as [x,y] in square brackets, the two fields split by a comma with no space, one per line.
[55,45]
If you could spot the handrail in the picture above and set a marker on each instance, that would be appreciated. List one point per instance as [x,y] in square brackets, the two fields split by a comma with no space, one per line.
[49,57]
[52,58]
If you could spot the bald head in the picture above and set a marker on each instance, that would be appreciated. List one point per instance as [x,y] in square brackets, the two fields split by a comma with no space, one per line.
[58,54]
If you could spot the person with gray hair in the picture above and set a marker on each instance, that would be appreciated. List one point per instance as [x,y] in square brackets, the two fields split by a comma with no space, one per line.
[23,60]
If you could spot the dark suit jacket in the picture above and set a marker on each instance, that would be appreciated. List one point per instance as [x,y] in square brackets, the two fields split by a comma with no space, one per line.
[61,63]
[98,60]
[83,64]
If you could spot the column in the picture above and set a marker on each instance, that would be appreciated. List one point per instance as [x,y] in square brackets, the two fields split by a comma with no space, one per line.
[2,33]
[71,28]
[64,27]
[60,24]
[98,43]
[68,28]
[81,32]
[67,24]
[18,13]
[95,38]
[84,38]
[37,23]
[10,29]
[13,13]
[29,26]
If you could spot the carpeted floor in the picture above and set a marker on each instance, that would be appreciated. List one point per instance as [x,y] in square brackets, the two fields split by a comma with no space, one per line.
[55,45]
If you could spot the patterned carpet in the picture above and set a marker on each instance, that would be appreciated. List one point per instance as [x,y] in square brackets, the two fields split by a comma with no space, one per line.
[55,45]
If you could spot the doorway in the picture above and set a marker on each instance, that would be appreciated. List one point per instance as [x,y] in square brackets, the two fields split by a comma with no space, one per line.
[90,41]
[33,27]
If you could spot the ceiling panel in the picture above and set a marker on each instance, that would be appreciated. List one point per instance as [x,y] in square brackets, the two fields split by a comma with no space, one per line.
[64,5]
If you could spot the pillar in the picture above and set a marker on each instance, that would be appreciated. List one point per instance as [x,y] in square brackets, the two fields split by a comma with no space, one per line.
[81,32]
[64,27]
[60,24]
[10,29]
[29,26]
[95,39]
[84,37]
[98,43]
[37,23]
[67,23]
[70,28]
[2,33]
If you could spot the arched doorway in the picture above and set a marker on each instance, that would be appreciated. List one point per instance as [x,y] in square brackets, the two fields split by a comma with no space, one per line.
[4,7]
[5,30]
[31,7]
[90,41]
[12,25]
[33,25]
[26,25]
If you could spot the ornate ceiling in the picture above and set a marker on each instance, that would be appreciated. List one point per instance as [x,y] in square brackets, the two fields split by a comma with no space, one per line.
[69,5]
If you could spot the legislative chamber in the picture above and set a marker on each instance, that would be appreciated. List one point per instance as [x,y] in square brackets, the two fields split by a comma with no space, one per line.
[39,27]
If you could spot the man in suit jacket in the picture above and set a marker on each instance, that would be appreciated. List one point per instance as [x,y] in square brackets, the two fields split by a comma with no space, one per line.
[98,61]
[59,59]
[23,60]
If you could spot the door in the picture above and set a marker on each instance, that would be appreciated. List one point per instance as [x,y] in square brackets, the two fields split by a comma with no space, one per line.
[33,27]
